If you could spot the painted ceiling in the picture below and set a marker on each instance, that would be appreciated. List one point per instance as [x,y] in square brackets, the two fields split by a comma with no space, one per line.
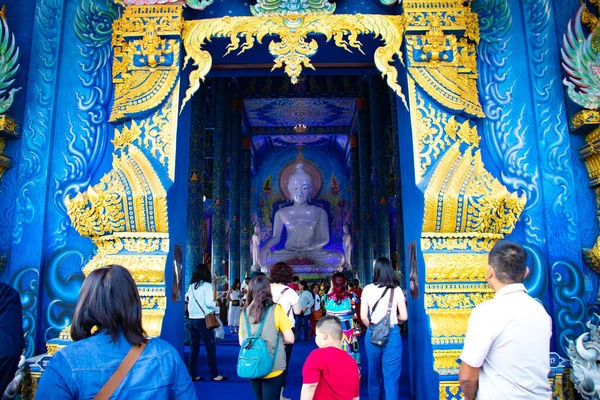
[289,112]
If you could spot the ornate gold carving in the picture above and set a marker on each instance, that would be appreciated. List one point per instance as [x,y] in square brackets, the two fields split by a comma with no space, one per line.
[590,154]
[131,197]
[589,19]
[152,321]
[139,243]
[436,130]
[5,161]
[459,241]
[445,301]
[585,117]
[143,268]
[450,390]
[463,197]
[142,85]
[448,267]
[100,209]
[163,20]
[9,127]
[448,326]
[444,361]
[145,63]
[448,74]
[294,49]
[153,298]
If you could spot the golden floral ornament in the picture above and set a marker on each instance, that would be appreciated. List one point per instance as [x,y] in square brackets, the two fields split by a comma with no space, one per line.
[294,49]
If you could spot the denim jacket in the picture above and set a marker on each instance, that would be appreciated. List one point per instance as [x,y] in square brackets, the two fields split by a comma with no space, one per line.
[79,370]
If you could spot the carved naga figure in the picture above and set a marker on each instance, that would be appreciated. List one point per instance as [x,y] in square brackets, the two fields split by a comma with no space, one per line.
[585,355]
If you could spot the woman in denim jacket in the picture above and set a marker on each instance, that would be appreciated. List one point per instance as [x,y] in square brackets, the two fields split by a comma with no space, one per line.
[200,299]
[106,324]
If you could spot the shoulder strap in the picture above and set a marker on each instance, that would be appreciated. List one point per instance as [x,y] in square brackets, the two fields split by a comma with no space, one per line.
[260,326]
[248,331]
[194,296]
[377,302]
[262,323]
[387,314]
[117,377]
[281,294]
[275,351]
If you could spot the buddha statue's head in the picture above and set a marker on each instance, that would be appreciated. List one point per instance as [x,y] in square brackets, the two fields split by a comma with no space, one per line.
[300,185]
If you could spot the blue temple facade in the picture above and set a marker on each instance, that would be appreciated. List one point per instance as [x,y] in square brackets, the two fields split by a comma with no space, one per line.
[434,128]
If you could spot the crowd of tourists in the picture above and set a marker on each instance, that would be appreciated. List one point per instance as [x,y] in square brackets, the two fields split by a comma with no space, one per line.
[111,356]
[271,313]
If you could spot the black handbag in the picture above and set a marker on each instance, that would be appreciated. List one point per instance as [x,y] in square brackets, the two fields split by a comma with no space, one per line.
[380,331]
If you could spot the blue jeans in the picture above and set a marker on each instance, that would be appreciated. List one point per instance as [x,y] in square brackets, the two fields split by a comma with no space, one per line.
[302,320]
[198,330]
[385,365]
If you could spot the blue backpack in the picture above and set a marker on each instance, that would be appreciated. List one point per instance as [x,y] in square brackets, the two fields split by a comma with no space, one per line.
[255,360]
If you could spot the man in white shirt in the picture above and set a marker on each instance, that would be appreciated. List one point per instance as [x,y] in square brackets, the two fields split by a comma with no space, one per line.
[506,354]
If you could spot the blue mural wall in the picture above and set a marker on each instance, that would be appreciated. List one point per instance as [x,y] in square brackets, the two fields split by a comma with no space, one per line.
[527,145]
[267,197]
[64,147]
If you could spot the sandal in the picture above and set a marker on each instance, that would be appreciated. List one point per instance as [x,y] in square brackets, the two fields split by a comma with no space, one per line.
[197,378]
[223,378]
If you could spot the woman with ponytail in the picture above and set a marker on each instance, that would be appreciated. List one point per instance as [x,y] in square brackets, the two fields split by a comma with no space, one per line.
[341,303]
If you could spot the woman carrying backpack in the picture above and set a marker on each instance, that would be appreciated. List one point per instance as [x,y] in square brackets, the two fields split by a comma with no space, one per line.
[264,328]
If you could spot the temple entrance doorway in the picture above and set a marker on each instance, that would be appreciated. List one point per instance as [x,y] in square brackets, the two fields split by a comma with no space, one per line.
[248,137]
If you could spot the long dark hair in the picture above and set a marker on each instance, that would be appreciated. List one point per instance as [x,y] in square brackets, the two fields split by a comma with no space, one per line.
[259,298]
[236,284]
[109,300]
[340,287]
[384,274]
[201,274]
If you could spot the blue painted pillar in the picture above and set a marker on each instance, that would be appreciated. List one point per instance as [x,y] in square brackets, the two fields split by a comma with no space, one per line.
[366,212]
[355,230]
[400,254]
[377,108]
[235,165]
[26,256]
[246,227]
[223,103]
[195,216]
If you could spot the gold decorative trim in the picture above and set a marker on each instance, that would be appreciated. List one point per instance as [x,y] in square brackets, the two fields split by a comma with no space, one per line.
[585,118]
[450,390]
[294,48]
[9,127]
[145,269]
[152,321]
[162,20]
[452,14]
[446,301]
[459,241]
[461,267]
[448,326]
[444,361]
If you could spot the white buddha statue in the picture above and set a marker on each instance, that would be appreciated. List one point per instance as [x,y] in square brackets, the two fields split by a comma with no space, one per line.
[254,245]
[347,242]
[307,228]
